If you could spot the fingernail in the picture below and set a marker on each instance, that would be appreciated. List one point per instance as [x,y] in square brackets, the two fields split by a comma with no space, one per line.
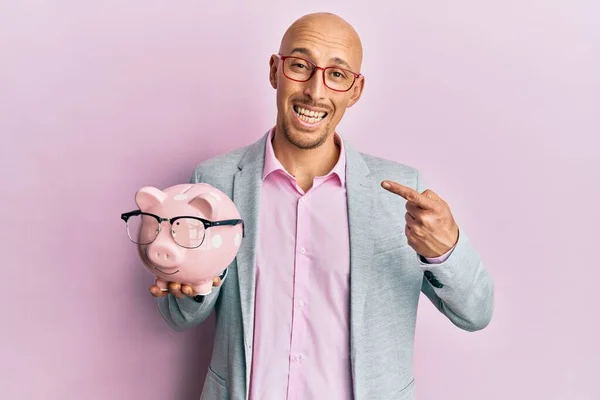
[385,185]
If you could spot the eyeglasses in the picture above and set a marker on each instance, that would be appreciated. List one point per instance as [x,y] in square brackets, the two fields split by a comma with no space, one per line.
[187,231]
[301,70]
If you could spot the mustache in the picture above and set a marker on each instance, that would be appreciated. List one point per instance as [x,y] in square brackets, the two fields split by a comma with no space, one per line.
[308,103]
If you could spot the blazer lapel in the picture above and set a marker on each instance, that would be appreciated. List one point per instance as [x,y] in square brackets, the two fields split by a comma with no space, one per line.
[246,195]
[359,191]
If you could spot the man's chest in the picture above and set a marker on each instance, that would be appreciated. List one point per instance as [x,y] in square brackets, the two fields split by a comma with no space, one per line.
[303,233]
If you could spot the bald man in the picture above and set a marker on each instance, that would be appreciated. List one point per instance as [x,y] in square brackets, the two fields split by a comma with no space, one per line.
[321,301]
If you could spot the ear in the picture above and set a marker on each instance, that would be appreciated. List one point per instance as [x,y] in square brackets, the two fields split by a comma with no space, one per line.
[206,204]
[273,67]
[149,196]
[357,90]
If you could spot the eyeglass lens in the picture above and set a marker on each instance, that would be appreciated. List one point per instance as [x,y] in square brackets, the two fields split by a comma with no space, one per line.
[300,70]
[187,232]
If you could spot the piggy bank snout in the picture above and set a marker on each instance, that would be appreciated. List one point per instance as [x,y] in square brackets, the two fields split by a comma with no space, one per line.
[165,254]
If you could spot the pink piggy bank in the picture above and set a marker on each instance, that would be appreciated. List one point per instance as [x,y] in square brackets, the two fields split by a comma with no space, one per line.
[187,233]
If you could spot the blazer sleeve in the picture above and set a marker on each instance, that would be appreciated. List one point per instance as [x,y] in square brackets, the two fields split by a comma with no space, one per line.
[460,287]
[185,313]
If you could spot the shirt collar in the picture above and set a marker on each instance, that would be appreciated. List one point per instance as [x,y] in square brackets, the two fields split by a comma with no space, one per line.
[272,164]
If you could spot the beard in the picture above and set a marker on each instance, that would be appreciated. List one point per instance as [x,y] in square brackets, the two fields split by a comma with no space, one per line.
[304,142]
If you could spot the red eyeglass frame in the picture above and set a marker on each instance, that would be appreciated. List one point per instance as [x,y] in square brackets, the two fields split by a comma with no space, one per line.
[316,67]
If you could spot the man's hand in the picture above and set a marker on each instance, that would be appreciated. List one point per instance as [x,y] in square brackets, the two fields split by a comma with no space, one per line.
[178,290]
[430,227]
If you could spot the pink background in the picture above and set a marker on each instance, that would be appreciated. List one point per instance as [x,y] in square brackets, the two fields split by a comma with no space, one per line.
[497,102]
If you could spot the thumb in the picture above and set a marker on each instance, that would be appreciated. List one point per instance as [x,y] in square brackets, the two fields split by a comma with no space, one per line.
[216,281]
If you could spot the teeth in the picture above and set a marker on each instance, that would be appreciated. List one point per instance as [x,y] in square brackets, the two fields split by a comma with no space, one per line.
[309,119]
[311,114]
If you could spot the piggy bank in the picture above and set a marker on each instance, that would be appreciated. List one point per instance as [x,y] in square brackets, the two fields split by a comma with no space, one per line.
[187,233]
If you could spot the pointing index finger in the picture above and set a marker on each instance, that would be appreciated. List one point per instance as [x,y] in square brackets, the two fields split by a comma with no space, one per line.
[409,194]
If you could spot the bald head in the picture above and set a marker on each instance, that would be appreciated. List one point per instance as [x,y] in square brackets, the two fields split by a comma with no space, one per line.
[328,30]
[310,104]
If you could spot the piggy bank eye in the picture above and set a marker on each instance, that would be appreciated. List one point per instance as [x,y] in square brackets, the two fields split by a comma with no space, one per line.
[188,232]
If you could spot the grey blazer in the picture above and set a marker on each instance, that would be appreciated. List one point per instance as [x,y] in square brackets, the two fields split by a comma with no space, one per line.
[386,278]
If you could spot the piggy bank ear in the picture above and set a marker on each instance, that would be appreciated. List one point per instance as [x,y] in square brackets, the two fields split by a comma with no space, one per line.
[206,204]
[149,196]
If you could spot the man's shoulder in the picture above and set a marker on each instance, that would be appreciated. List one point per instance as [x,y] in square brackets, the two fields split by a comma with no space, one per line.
[383,166]
[228,159]
[381,169]
[222,164]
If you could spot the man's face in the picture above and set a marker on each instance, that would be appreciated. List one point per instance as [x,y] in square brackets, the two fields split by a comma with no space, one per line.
[309,112]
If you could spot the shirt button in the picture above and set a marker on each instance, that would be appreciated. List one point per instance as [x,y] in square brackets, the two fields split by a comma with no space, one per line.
[303,199]
[303,250]
[300,304]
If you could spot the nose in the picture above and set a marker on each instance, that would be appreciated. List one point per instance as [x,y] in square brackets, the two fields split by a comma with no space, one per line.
[165,255]
[315,86]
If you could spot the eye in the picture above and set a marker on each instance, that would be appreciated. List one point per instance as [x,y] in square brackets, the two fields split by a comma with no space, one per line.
[337,74]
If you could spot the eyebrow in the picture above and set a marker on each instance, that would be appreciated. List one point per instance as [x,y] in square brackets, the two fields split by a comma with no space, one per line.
[305,51]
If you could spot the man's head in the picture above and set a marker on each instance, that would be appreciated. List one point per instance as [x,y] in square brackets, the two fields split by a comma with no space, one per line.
[324,40]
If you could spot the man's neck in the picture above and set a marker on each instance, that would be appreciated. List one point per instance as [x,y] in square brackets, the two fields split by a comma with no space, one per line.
[305,165]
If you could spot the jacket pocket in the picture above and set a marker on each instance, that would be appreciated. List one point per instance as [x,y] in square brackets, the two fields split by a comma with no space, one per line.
[389,243]
[215,387]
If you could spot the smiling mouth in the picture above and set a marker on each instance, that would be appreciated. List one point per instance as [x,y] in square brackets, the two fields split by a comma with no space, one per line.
[309,117]
[166,273]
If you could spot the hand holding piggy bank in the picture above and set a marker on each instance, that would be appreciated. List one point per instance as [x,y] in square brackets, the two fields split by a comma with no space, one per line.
[203,235]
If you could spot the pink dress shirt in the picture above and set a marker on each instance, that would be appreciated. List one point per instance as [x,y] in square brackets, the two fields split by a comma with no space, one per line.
[301,328]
